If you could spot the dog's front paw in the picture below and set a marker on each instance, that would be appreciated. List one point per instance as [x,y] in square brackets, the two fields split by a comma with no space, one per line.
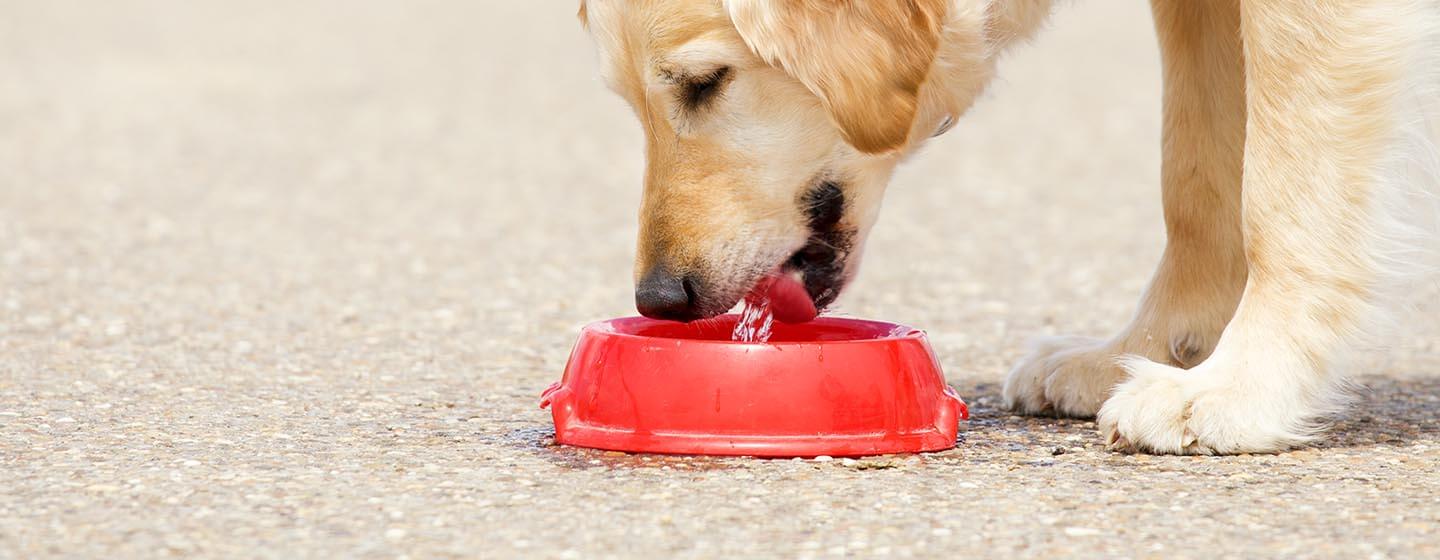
[1070,376]
[1207,410]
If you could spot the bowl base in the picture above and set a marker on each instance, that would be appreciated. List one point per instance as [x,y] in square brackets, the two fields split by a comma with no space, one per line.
[768,446]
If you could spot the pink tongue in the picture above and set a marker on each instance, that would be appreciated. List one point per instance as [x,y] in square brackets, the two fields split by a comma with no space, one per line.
[788,299]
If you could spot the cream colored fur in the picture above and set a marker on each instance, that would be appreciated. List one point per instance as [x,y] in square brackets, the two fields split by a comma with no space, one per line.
[1298,179]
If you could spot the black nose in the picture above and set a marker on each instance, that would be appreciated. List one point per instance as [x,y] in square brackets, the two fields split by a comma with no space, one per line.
[662,295]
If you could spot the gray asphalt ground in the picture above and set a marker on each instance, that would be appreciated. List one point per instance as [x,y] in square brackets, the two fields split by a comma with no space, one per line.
[285,279]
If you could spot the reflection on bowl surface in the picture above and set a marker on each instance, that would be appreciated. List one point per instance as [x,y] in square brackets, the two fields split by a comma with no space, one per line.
[718,329]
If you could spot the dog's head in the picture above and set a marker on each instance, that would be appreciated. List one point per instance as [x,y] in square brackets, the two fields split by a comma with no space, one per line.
[772,128]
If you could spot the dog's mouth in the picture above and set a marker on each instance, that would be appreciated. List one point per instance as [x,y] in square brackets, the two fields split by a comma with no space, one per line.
[820,266]
[809,281]
[802,284]
[812,277]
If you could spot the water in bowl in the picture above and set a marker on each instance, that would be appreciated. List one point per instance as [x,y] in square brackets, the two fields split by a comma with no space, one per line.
[756,321]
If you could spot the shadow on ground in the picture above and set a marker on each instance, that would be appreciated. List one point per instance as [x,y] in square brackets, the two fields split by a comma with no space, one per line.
[1385,411]
[1388,411]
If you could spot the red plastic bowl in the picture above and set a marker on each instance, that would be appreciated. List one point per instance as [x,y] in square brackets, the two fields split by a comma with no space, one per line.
[832,386]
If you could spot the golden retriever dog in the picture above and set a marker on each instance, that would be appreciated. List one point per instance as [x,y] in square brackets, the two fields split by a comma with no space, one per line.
[1294,133]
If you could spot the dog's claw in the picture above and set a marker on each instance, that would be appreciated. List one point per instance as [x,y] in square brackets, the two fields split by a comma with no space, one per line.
[1116,442]
[1188,440]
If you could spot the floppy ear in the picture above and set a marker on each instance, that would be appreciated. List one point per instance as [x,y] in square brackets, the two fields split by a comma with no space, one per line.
[866,59]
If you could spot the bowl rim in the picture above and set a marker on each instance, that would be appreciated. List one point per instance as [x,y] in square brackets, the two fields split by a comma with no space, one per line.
[896,332]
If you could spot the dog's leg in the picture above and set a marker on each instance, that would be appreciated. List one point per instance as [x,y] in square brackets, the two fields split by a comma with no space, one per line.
[1202,273]
[1324,79]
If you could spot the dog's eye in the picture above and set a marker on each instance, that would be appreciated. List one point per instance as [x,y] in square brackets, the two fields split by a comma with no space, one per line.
[697,92]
